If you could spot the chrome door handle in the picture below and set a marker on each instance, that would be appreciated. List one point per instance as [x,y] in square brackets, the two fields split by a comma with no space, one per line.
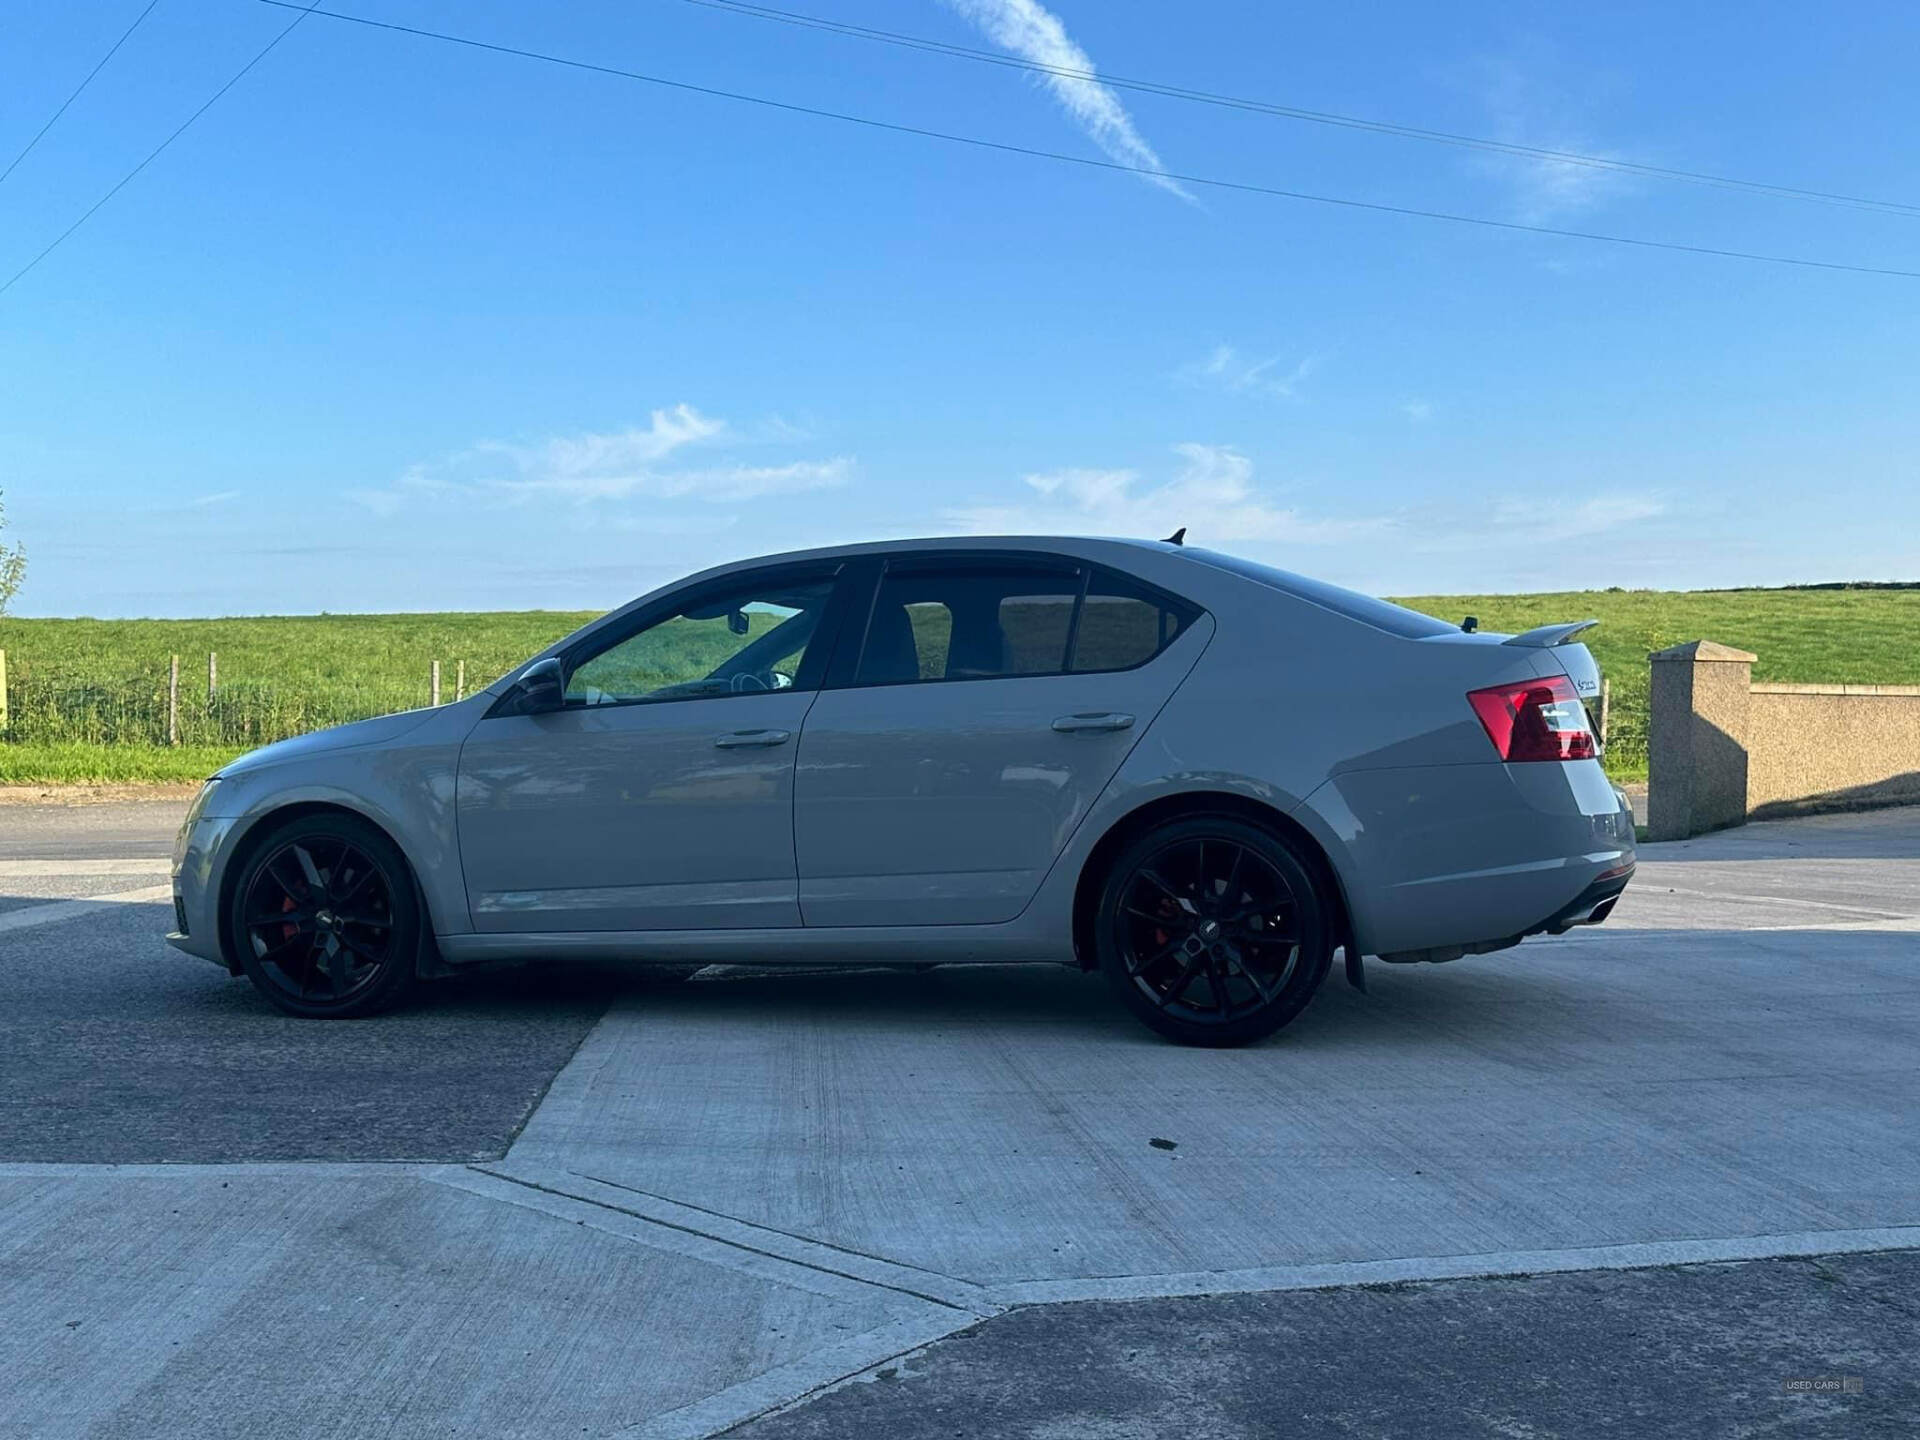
[1074,724]
[745,739]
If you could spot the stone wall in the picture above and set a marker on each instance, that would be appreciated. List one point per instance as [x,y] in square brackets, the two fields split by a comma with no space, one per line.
[1721,749]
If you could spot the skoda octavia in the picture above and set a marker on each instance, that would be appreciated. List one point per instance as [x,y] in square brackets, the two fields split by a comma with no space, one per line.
[1196,774]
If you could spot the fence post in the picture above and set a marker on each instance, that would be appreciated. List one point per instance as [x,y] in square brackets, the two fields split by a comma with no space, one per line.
[459,681]
[3,692]
[1606,703]
[173,701]
[436,682]
[213,678]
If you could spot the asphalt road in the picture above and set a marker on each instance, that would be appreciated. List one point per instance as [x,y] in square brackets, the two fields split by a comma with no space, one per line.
[119,1049]
[89,831]
[1695,1351]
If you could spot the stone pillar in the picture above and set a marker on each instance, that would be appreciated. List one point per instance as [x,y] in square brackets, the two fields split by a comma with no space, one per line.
[1697,739]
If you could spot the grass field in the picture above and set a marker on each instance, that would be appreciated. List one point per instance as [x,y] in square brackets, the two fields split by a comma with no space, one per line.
[88,697]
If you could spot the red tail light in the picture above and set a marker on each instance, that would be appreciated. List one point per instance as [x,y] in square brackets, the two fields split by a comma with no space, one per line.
[1535,720]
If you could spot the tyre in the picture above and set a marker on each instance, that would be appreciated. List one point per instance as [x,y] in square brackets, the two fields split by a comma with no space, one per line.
[325,919]
[1213,931]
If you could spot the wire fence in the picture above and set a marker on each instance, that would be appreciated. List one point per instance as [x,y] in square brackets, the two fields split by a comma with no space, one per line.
[166,704]
[1625,729]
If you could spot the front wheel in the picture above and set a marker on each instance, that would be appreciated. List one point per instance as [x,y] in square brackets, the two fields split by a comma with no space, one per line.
[325,918]
[1213,931]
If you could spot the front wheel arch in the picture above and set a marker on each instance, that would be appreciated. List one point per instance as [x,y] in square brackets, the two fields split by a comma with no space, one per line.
[264,824]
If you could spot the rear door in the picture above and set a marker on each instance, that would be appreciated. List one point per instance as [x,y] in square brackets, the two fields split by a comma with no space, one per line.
[987,704]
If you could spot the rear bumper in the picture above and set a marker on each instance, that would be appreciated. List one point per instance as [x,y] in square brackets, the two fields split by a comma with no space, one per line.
[1447,860]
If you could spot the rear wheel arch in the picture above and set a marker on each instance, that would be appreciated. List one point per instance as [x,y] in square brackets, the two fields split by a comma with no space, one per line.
[265,824]
[1188,805]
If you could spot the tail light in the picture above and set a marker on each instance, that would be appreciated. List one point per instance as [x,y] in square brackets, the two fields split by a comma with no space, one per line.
[1535,720]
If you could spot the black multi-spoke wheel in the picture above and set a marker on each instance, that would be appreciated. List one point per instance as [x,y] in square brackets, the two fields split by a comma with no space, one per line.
[324,918]
[1213,931]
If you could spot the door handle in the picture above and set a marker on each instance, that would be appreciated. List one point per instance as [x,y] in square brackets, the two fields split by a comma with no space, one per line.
[1075,724]
[746,739]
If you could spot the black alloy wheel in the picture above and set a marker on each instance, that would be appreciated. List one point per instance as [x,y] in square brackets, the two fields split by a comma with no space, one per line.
[1213,931]
[325,918]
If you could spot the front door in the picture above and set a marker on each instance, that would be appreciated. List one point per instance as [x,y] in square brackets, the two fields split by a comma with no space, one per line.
[991,702]
[661,796]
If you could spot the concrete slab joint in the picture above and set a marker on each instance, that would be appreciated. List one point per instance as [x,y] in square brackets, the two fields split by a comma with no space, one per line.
[1722,750]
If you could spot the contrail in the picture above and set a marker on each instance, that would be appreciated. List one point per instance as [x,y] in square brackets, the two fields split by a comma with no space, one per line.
[1029,30]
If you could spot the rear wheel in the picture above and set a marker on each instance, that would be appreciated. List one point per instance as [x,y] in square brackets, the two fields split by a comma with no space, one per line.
[325,919]
[1213,931]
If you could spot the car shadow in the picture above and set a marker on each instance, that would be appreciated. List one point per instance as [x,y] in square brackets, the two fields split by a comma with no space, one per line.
[1537,1000]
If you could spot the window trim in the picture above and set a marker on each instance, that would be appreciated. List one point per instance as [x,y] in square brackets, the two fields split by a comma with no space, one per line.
[810,676]
[843,675]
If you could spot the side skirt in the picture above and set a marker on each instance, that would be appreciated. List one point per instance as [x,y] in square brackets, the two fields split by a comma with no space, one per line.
[877,945]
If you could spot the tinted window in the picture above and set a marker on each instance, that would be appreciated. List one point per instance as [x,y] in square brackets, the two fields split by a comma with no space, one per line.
[1381,614]
[968,623]
[975,622]
[751,639]
[1123,624]
[1034,627]
[932,625]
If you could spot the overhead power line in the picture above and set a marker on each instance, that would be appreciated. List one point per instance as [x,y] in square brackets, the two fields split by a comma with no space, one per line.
[154,154]
[1087,161]
[1294,112]
[98,67]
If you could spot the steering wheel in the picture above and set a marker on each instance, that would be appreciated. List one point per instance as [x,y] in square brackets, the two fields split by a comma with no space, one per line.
[746,680]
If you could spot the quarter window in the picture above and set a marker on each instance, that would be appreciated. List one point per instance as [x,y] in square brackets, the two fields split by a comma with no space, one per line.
[1122,625]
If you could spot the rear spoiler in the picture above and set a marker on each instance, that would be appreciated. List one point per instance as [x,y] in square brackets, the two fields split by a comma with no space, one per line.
[1545,636]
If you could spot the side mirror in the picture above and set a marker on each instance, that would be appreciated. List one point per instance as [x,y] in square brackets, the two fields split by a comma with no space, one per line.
[542,687]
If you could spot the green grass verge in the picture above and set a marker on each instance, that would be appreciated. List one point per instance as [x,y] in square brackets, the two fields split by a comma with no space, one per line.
[78,763]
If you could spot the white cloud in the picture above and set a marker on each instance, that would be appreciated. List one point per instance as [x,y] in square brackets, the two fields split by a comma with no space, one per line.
[1417,410]
[219,497]
[1029,30]
[1213,494]
[638,463]
[1226,369]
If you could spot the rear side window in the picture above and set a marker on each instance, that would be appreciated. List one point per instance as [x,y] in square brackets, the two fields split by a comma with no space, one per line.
[1035,626]
[983,620]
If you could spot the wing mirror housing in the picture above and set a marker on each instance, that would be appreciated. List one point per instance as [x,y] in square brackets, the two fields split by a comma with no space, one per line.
[542,687]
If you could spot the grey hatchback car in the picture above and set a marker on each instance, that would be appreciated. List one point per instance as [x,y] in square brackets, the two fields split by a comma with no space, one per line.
[1196,774]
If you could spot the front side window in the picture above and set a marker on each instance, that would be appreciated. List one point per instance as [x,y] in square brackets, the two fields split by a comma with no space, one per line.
[983,620]
[751,639]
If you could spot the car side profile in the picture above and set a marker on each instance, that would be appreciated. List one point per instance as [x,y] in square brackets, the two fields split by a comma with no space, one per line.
[1197,774]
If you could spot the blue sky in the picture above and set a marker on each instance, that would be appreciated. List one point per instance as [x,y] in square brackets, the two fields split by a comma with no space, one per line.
[403,325]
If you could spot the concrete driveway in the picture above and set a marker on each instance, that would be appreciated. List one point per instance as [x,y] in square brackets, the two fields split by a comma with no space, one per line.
[740,1190]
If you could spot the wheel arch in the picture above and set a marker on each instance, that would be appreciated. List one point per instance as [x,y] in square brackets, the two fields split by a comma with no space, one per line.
[1185,805]
[261,824]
